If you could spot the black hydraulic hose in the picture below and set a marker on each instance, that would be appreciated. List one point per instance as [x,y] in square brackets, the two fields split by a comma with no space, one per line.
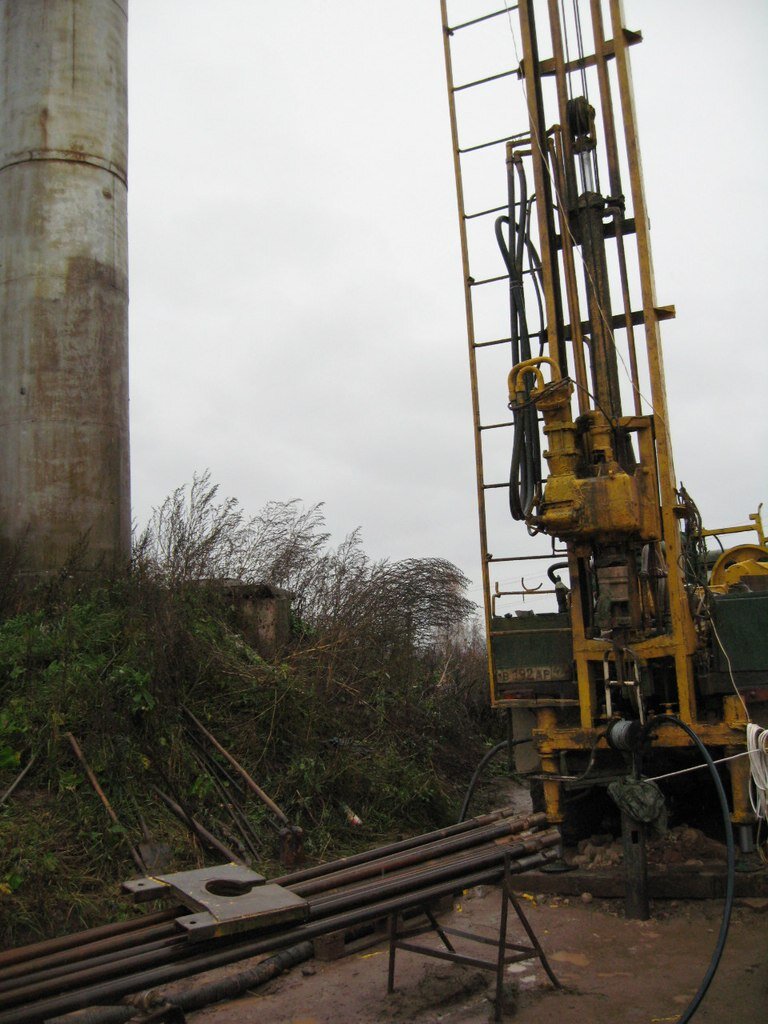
[728,907]
[530,476]
[561,591]
[552,571]
[489,756]
[525,465]
[534,261]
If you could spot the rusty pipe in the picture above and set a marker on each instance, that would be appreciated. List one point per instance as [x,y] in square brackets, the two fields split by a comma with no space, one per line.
[398,885]
[200,830]
[407,844]
[165,973]
[401,860]
[26,954]
[103,797]
[250,783]
[76,954]
[457,864]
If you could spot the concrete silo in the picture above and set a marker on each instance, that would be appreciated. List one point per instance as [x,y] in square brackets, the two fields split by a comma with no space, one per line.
[64,457]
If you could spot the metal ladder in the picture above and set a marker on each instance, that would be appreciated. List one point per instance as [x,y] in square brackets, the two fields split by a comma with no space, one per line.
[497,528]
[487,340]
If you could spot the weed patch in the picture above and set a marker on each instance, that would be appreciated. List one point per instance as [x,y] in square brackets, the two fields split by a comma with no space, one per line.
[374,709]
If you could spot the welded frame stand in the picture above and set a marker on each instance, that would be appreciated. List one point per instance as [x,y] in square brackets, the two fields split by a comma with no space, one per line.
[503,958]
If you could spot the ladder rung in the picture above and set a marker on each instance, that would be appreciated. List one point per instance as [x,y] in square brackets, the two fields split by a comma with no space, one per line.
[501,277]
[484,213]
[617,321]
[493,142]
[488,344]
[476,21]
[484,81]
[487,280]
[495,426]
[490,487]
[527,558]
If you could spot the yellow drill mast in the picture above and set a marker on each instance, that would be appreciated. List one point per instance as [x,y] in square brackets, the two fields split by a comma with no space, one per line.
[634,632]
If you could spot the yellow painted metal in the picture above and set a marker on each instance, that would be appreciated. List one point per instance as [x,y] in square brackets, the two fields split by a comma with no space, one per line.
[578,507]
[596,494]
[755,523]
[471,341]
[682,632]
[541,179]
[736,563]
[740,775]
[546,724]
[610,503]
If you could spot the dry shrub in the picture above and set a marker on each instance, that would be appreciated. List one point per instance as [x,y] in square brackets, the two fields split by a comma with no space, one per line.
[379,703]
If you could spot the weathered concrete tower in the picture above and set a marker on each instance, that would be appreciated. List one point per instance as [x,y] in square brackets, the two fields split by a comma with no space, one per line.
[64,459]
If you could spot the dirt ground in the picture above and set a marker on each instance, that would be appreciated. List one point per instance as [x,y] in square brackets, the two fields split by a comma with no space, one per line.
[611,969]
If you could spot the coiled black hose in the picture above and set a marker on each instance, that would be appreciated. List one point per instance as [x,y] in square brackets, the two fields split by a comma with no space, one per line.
[525,466]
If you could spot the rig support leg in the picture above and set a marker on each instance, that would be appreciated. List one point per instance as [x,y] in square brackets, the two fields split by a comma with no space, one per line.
[636,904]
[546,724]
[746,839]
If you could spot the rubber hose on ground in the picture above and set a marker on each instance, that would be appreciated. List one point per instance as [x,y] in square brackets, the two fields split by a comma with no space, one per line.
[728,907]
[489,756]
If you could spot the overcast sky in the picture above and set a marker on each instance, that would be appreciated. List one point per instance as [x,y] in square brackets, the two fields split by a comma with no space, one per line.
[297,320]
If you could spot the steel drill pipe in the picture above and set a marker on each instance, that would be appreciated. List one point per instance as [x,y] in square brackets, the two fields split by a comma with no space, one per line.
[465,860]
[395,886]
[457,857]
[67,957]
[531,821]
[165,973]
[97,968]
[424,852]
[61,979]
[26,954]
[93,953]
[435,858]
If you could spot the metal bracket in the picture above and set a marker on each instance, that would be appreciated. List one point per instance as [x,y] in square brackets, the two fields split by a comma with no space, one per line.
[224,899]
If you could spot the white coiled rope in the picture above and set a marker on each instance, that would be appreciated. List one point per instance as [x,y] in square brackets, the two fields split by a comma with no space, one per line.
[757,748]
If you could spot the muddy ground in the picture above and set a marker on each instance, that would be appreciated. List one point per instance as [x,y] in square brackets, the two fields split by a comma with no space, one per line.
[611,969]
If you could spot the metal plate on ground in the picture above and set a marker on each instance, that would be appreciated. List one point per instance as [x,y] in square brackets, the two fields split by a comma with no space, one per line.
[265,906]
[190,886]
[224,899]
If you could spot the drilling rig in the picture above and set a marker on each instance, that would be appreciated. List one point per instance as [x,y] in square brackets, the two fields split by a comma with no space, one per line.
[650,624]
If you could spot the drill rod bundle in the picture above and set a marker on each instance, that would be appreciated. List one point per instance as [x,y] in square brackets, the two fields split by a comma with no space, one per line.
[100,966]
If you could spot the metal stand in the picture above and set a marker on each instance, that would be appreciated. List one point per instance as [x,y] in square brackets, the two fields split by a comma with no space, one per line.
[502,959]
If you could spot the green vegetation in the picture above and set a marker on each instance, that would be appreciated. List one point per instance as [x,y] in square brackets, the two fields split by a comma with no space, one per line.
[375,703]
